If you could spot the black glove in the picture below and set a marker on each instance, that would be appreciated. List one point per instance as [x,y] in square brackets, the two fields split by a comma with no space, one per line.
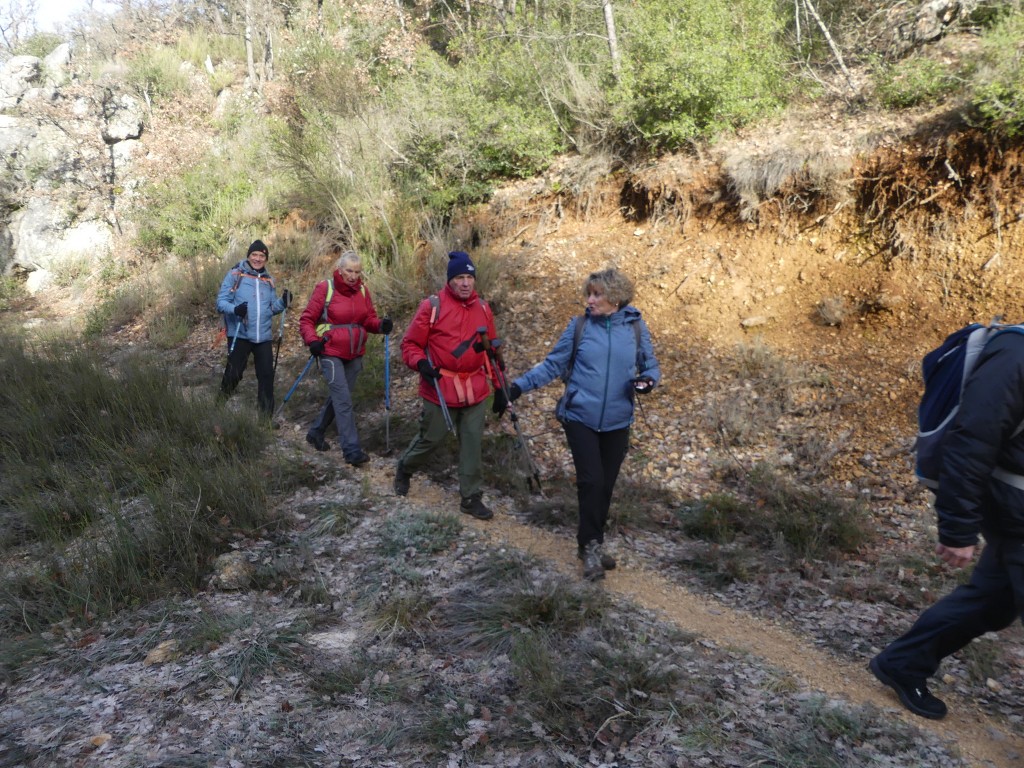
[286,298]
[500,403]
[242,309]
[514,392]
[643,384]
[427,371]
[316,348]
[386,326]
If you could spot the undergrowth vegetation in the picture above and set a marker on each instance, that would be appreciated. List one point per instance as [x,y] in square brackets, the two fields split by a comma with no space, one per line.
[114,485]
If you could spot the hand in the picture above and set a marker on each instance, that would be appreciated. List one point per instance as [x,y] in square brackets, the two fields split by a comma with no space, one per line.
[427,371]
[643,384]
[286,298]
[958,557]
[500,403]
[514,393]
[242,309]
[386,326]
[316,348]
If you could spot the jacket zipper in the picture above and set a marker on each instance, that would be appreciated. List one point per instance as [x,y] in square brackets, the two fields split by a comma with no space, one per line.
[607,373]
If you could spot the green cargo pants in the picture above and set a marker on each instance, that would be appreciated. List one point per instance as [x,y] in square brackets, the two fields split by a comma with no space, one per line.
[469,428]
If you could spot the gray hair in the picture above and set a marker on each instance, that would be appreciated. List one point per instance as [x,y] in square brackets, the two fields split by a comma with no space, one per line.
[616,287]
[348,257]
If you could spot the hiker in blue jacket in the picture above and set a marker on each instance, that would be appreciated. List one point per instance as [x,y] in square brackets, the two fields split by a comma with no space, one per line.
[980,491]
[613,362]
[248,300]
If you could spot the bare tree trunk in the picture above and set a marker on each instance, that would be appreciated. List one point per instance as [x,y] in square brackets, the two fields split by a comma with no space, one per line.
[831,43]
[613,40]
[249,58]
[268,55]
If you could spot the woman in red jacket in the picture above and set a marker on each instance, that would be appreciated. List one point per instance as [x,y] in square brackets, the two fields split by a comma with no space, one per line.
[334,325]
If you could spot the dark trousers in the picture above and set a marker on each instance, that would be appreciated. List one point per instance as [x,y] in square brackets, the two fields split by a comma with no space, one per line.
[990,601]
[597,457]
[263,359]
[340,376]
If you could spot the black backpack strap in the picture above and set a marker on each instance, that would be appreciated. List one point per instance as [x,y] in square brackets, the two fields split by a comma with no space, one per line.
[577,334]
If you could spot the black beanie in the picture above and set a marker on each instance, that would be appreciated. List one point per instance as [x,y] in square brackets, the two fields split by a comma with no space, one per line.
[257,245]
[459,263]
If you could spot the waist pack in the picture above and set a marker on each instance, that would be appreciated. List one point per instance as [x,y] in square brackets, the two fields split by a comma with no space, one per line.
[944,370]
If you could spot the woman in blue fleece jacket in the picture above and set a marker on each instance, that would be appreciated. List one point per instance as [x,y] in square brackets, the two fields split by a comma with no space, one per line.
[613,362]
[248,300]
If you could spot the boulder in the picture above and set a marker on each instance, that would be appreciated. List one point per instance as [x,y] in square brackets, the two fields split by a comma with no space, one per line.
[122,118]
[17,76]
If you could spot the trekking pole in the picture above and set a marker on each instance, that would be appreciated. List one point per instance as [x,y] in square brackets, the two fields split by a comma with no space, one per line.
[440,399]
[238,327]
[387,394]
[292,390]
[280,338]
[497,371]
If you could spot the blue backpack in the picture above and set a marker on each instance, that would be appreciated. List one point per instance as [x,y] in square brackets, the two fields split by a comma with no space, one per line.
[944,370]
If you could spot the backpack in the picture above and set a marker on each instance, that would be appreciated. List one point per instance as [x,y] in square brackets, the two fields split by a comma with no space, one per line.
[435,307]
[945,370]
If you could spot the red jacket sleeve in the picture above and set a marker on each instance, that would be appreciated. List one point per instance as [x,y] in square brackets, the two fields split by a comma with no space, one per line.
[311,315]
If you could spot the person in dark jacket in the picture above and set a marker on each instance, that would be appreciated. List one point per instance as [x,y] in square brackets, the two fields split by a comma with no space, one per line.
[612,364]
[980,491]
[334,325]
[442,343]
[248,300]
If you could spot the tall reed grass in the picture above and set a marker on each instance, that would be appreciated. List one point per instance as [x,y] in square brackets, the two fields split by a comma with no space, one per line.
[114,487]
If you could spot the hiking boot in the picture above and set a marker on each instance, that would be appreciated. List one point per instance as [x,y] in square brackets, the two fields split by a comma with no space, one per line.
[317,441]
[474,506]
[402,479]
[358,458]
[914,694]
[607,561]
[592,568]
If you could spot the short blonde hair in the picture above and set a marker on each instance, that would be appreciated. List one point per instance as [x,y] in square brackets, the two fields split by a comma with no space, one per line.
[616,287]
[348,257]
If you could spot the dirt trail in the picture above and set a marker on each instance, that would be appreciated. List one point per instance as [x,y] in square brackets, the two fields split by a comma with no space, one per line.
[978,738]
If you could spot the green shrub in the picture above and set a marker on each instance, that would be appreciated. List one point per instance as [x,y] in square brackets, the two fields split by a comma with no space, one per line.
[198,212]
[913,82]
[997,93]
[697,68]
[40,45]
[471,124]
[195,44]
[156,74]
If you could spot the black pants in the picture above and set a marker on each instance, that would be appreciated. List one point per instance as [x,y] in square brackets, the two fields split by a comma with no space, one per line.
[597,457]
[990,601]
[263,358]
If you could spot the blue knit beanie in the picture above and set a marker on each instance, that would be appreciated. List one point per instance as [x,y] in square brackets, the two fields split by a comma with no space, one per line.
[459,263]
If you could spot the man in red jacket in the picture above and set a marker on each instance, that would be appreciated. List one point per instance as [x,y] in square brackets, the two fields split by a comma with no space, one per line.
[439,330]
